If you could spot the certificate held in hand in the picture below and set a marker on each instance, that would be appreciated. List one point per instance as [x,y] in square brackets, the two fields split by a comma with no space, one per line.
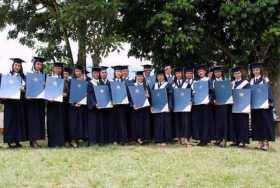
[35,83]
[201,92]
[223,92]
[78,92]
[54,89]
[119,94]
[242,101]
[182,100]
[10,87]
[159,101]
[103,97]
[138,97]
[259,96]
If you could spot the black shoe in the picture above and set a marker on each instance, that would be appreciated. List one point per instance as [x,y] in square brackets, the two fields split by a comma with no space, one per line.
[34,145]
[202,144]
[18,145]
[11,146]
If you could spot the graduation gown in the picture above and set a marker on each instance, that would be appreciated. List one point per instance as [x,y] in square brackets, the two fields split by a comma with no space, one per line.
[163,130]
[222,118]
[120,117]
[55,124]
[202,120]
[106,122]
[239,131]
[35,119]
[182,120]
[140,121]
[15,129]
[262,119]
[129,110]
[78,127]
[93,115]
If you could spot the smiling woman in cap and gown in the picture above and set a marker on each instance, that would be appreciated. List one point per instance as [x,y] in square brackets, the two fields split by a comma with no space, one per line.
[222,113]
[120,113]
[15,130]
[163,131]
[78,127]
[182,120]
[55,114]
[240,121]
[93,112]
[262,119]
[202,115]
[140,118]
[35,110]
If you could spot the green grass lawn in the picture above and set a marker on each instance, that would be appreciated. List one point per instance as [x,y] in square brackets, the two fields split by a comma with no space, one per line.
[140,166]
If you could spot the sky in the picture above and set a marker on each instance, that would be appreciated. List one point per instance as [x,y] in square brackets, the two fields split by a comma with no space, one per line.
[12,48]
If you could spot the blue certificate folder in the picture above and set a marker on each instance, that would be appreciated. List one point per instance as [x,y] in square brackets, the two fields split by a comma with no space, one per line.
[150,80]
[201,92]
[223,92]
[54,89]
[259,96]
[119,94]
[159,101]
[182,100]
[103,96]
[138,97]
[78,92]
[242,101]
[35,85]
[10,87]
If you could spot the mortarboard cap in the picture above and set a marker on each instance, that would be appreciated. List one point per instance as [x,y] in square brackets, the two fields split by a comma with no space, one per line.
[139,73]
[160,72]
[236,69]
[147,66]
[218,68]
[96,69]
[117,67]
[255,65]
[202,66]
[58,65]
[178,69]
[188,69]
[17,60]
[103,68]
[40,59]
[67,69]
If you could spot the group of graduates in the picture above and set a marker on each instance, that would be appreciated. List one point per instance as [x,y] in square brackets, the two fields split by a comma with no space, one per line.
[71,124]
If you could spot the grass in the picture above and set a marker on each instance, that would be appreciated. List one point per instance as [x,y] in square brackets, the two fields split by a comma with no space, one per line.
[140,166]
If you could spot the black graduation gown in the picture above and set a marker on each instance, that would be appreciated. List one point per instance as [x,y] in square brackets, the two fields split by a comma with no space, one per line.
[140,122]
[239,131]
[55,123]
[92,117]
[182,120]
[66,106]
[106,122]
[163,129]
[120,117]
[78,127]
[129,110]
[35,119]
[15,129]
[222,119]
[202,121]
[262,119]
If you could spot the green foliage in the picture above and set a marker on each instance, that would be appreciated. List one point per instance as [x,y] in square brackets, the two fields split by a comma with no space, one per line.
[186,31]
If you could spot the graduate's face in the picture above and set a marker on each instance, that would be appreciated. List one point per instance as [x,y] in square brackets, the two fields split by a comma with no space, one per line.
[189,75]
[201,73]
[140,78]
[147,71]
[237,75]
[210,74]
[17,67]
[125,73]
[118,74]
[103,75]
[168,70]
[78,73]
[95,74]
[38,66]
[257,71]
[179,75]
[160,77]
[218,74]
[66,75]
[57,70]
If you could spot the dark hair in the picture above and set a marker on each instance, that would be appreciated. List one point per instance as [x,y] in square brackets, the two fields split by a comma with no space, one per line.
[33,66]
[165,78]
[73,74]
[214,77]
[252,74]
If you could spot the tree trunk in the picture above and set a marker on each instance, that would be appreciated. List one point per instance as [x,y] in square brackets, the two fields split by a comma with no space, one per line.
[82,54]
[96,60]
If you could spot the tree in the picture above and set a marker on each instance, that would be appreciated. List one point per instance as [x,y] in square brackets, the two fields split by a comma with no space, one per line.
[54,23]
